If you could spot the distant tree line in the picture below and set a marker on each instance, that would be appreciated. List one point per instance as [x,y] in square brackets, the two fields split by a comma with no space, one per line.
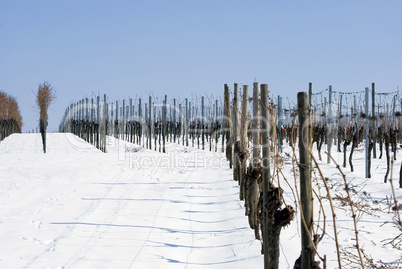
[10,116]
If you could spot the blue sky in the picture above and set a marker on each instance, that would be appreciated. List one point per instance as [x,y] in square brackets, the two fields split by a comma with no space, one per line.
[179,48]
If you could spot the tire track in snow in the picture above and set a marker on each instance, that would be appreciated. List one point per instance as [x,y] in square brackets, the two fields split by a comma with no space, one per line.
[190,222]
[152,229]
[98,232]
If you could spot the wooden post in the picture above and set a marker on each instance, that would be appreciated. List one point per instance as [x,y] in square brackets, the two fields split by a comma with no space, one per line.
[186,123]
[243,140]
[112,119]
[87,119]
[228,126]
[329,125]
[98,121]
[256,125]
[123,119]
[366,134]
[266,173]
[174,120]
[164,123]
[180,123]
[252,195]
[141,120]
[86,109]
[202,122]
[236,148]
[279,129]
[105,122]
[340,125]
[117,122]
[191,120]
[306,199]
[130,120]
[92,121]
[157,127]
[150,122]
[216,123]
[127,121]
[373,124]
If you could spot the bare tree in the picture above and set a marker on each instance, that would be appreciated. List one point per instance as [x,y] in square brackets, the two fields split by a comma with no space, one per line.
[44,98]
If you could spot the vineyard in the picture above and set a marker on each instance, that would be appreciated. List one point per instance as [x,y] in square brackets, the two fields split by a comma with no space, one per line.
[268,144]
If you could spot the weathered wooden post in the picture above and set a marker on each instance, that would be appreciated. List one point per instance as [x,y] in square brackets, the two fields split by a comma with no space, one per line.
[228,126]
[180,125]
[374,121]
[340,125]
[164,123]
[123,120]
[243,155]
[216,122]
[141,120]
[79,103]
[191,121]
[253,193]
[150,123]
[92,121]
[329,125]
[98,122]
[186,123]
[236,148]
[256,125]
[127,118]
[116,121]
[266,174]
[87,119]
[394,134]
[202,122]
[146,120]
[366,134]
[112,119]
[174,120]
[105,122]
[306,198]
[130,126]
[279,128]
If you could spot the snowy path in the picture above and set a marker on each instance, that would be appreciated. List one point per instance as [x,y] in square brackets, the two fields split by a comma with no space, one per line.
[75,207]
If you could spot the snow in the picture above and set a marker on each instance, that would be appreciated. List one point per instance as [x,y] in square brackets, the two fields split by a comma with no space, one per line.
[76,207]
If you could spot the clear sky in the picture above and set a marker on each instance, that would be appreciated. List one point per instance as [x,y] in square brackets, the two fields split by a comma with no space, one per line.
[184,47]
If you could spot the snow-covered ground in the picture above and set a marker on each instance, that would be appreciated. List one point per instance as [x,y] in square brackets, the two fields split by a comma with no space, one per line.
[76,207]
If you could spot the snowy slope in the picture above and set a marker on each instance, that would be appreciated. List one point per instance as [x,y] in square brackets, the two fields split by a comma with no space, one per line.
[76,207]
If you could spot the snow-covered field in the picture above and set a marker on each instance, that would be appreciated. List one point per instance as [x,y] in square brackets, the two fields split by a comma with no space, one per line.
[76,207]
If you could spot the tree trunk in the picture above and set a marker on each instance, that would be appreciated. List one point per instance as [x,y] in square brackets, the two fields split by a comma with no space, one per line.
[42,127]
